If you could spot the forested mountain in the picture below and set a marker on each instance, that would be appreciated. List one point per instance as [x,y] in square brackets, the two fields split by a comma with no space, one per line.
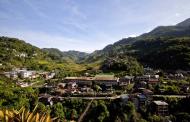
[75,55]
[56,54]
[15,53]
[165,47]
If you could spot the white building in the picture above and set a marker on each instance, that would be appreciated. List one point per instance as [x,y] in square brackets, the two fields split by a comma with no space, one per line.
[28,74]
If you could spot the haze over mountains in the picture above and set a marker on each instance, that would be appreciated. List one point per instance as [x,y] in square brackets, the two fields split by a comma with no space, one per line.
[165,47]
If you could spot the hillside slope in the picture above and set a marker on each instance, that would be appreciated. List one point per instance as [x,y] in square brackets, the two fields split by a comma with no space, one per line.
[165,47]
[15,53]
[56,54]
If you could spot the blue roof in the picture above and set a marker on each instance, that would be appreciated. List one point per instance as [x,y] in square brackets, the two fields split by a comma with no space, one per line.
[141,96]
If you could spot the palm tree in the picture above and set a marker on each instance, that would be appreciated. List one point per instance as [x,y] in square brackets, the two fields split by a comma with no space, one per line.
[24,115]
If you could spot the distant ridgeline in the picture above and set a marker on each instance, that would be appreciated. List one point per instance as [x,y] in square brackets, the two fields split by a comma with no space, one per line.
[165,47]
[15,53]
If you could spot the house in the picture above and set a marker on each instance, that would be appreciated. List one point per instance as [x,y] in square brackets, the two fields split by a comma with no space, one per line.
[27,74]
[23,84]
[48,75]
[160,108]
[139,101]
[179,76]
[147,77]
[22,55]
[61,85]
[142,100]
[81,81]
[124,98]
[142,84]
[51,75]
[185,88]
[148,93]
[86,89]
[126,80]
[71,85]
[153,81]
[143,78]
[107,80]
[46,99]
[7,74]
[13,75]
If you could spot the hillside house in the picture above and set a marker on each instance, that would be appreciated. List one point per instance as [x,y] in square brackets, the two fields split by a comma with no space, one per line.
[160,108]
[124,98]
[81,81]
[107,80]
[148,93]
[27,74]
[142,100]
[11,74]
[126,80]
[146,77]
[48,75]
[139,101]
[153,81]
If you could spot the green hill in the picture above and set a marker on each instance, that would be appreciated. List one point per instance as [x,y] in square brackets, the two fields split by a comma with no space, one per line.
[15,53]
[56,54]
[165,47]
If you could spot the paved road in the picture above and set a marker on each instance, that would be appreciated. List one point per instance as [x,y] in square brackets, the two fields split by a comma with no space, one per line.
[85,111]
[114,97]
[177,96]
[87,98]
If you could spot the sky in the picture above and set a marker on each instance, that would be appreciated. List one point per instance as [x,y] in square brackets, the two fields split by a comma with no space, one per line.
[86,25]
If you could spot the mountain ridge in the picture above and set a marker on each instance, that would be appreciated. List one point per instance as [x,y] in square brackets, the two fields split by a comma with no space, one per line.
[165,47]
[161,41]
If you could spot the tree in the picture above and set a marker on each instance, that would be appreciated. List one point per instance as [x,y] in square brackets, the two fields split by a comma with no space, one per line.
[183,117]
[97,88]
[74,114]
[58,111]
[98,112]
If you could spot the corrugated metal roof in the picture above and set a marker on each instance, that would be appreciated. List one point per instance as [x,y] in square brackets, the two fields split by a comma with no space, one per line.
[160,103]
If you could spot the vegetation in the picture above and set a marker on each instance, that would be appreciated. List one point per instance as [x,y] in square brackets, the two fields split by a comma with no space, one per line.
[164,48]
[15,53]
[122,66]
[24,115]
